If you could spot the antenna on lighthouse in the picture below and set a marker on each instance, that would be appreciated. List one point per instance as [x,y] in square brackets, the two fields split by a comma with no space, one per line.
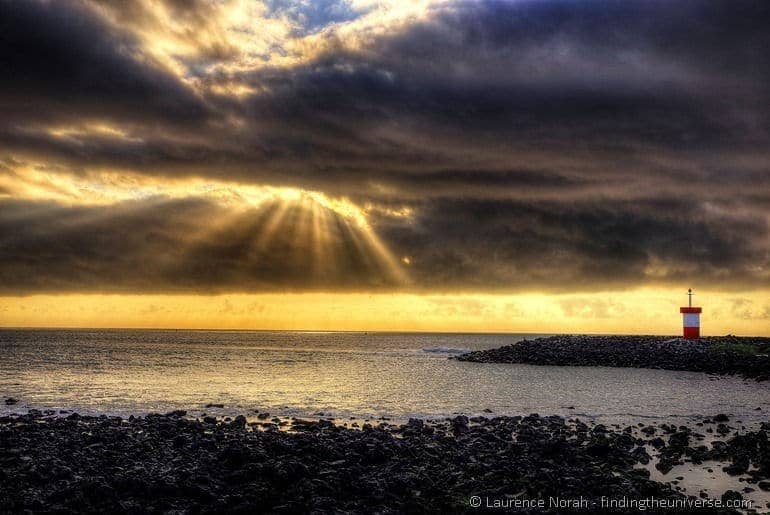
[689,295]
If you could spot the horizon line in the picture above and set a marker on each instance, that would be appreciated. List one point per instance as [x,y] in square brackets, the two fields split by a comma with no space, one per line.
[362,331]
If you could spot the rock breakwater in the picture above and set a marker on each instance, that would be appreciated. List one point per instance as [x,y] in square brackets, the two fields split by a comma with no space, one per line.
[744,356]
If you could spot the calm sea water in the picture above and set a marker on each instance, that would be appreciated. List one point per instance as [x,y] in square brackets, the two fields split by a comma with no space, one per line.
[341,374]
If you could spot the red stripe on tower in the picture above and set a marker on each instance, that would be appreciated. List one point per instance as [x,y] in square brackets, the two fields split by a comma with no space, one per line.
[691,319]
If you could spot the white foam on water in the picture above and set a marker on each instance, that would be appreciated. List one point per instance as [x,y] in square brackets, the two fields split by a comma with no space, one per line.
[445,350]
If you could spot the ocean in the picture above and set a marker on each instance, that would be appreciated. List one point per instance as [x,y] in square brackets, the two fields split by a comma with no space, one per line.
[339,374]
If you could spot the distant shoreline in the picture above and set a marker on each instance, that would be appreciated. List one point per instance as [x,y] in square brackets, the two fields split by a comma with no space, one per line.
[748,357]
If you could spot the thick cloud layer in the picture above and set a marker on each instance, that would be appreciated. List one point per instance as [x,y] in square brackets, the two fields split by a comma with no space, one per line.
[60,63]
[185,246]
[606,244]
[534,145]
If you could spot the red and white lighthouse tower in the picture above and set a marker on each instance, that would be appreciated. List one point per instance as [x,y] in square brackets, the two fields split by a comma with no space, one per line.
[691,319]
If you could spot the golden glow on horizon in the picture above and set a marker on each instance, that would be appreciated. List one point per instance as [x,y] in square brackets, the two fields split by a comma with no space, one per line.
[643,311]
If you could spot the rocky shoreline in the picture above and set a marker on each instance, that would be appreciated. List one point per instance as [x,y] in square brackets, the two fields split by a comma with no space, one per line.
[173,463]
[729,355]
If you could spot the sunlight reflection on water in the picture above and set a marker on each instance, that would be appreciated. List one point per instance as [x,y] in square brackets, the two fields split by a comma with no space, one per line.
[345,374]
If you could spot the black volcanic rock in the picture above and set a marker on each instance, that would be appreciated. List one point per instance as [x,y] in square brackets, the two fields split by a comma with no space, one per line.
[743,356]
[163,463]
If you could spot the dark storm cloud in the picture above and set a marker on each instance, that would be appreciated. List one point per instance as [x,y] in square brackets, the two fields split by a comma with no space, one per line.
[163,246]
[502,245]
[540,144]
[60,63]
[480,86]
[529,78]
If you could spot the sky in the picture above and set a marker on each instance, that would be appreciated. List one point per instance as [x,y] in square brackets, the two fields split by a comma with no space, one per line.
[529,165]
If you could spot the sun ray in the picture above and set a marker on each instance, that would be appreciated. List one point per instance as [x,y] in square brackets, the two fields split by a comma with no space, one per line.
[320,249]
[302,233]
[385,257]
[275,220]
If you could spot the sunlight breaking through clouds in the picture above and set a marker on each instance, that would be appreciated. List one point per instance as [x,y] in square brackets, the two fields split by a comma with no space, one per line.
[304,238]
[481,146]
[40,182]
[207,43]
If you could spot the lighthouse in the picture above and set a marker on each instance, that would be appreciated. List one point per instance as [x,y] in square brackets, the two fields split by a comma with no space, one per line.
[691,319]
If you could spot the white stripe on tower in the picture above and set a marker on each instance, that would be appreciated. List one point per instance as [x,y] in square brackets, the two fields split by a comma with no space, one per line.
[691,320]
